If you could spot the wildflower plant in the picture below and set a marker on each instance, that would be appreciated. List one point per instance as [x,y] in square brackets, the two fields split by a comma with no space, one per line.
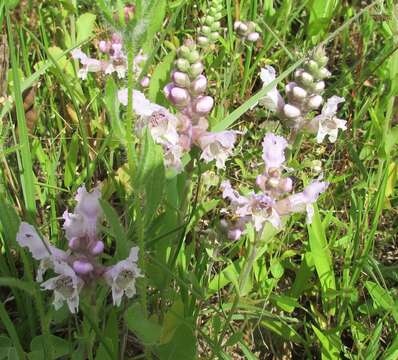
[190,243]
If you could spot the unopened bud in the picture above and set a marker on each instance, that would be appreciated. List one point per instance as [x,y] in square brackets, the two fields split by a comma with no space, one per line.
[82,267]
[291,111]
[103,46]
[203,41]
[190,43]
[306,78]
[74,243]
[98,248]
[214,36]
[315,101]
[323,73]
[145,82]
[312,66]
[182,65]
[209,20]
[273,183]
[205,30]
[319,86]
[193,56]
[181,79]
[286,185]
[299,93]
[199,85]
[204,105]
[184,51]
[179,96]
[253,37]
[196,69]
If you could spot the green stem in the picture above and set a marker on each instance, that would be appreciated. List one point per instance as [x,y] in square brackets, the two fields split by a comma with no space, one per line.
[242,282]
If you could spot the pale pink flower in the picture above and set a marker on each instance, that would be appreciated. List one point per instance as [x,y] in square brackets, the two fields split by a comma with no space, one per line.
[272,100]
[327,123]
[89,64]
[302,201]
[40,248]
[66,286]
[217,146]
[121,277]
[274,150]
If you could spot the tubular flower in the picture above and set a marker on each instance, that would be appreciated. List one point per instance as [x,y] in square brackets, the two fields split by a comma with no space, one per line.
[272,100]
[327,123]
[121,277]
[79,266]
[66,286]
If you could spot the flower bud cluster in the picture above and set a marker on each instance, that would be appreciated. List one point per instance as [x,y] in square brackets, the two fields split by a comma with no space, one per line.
[247,30]
[305,92]
[304,96]
[115,62]
[177,134]
[274,199]
[209,31]
[80,265]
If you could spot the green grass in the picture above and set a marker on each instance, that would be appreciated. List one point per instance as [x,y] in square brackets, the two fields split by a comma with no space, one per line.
[322,291]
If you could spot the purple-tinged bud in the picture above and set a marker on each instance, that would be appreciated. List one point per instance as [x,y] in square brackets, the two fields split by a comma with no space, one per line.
[74,243]
[237,24]
[253,37]
[82,267]
[129,12]
[167,90]
[199,86]
[104,46]
[286,185]
[179,96]
[116,38]
[204,105]
[315,101]
[98,248]
[291,111]
[319,86]
[290,86]
[299,93]
[182,65]
[274,172]
[189,43]
[297,73]
[181,79]
[145,82]
[235,234]
[196,69]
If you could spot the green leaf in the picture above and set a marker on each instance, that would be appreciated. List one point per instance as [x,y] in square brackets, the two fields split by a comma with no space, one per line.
[112,106]
[60,346]
[181,347]
[331,344]
[322,259]
[117,230]
[392,352]
[283,330]
[160,78]
[71,161]
[146,330]
[382,298]
[5,345]
[151,176]
[85,26]
[155,25]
